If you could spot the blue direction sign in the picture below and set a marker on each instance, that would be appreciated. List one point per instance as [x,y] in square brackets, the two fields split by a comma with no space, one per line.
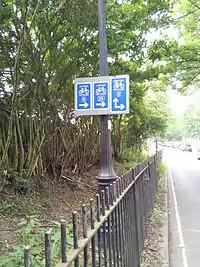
[119,94]
[83,96]
[100,95]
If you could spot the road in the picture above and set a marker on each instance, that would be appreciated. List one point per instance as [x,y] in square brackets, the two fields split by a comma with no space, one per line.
[184,208]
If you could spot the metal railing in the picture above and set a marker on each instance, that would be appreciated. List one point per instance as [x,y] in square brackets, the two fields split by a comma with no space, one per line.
[118,219]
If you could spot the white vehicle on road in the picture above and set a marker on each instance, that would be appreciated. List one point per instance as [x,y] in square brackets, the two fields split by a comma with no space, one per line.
[198,153]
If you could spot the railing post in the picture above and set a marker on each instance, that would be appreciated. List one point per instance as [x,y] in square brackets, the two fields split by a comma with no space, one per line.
[136,219]
[47,249]
[27,256]
[151,185]
[63,242]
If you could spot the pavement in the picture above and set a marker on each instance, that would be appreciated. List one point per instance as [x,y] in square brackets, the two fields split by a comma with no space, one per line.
[184,207]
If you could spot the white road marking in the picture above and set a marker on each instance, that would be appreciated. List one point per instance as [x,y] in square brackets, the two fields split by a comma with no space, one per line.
[192,230]
[179,226]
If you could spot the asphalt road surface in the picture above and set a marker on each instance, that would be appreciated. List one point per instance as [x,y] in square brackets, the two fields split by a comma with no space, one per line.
[184,208]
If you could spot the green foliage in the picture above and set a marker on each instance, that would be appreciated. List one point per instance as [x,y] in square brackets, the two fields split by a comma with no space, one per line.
[147,118]
[180,49]
[191,121]
[129,155]
[31,232]
[175,129]
[44,46]
[162,169]
[188,125]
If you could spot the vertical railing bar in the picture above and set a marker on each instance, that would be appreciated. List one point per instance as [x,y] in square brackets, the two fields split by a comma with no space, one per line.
[114,191]
[104,227]
[47,249]
[104,244]
[109,225]
[27,256]
[117,187]
[120,186]
[103,202]
[63,242]
[84,221]
[92,225]
[99,246]
[111,194]
[98,207]
[117,237]
[92,218]
[75,236]
[127,227]
[122,179]
[141,213]
[136,218]
[120,233]
[143,210]
[110,229]
[113,238]
[107,198]
[125,230]
[130,227]
[116,223]
[125,182]
[84,225]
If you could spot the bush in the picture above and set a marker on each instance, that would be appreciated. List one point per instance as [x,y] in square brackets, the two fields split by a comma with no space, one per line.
[128,155]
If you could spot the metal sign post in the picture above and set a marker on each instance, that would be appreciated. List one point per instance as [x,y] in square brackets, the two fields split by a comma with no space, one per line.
[106,173]
[104,95]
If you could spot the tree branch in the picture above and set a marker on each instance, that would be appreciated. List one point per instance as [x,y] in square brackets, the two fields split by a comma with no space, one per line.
[194,4]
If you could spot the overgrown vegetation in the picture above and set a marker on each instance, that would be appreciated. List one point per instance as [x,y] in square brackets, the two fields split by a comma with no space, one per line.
[43,47]
[31,231]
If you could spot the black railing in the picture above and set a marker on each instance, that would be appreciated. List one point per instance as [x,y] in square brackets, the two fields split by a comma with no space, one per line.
[119,219]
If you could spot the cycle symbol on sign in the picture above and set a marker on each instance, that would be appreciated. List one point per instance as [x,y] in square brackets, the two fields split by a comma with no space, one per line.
[101,90]
[83,91]
[118,85]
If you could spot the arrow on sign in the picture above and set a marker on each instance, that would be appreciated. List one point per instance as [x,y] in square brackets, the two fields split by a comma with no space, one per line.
[85,105]
[102,104]
[121,106]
